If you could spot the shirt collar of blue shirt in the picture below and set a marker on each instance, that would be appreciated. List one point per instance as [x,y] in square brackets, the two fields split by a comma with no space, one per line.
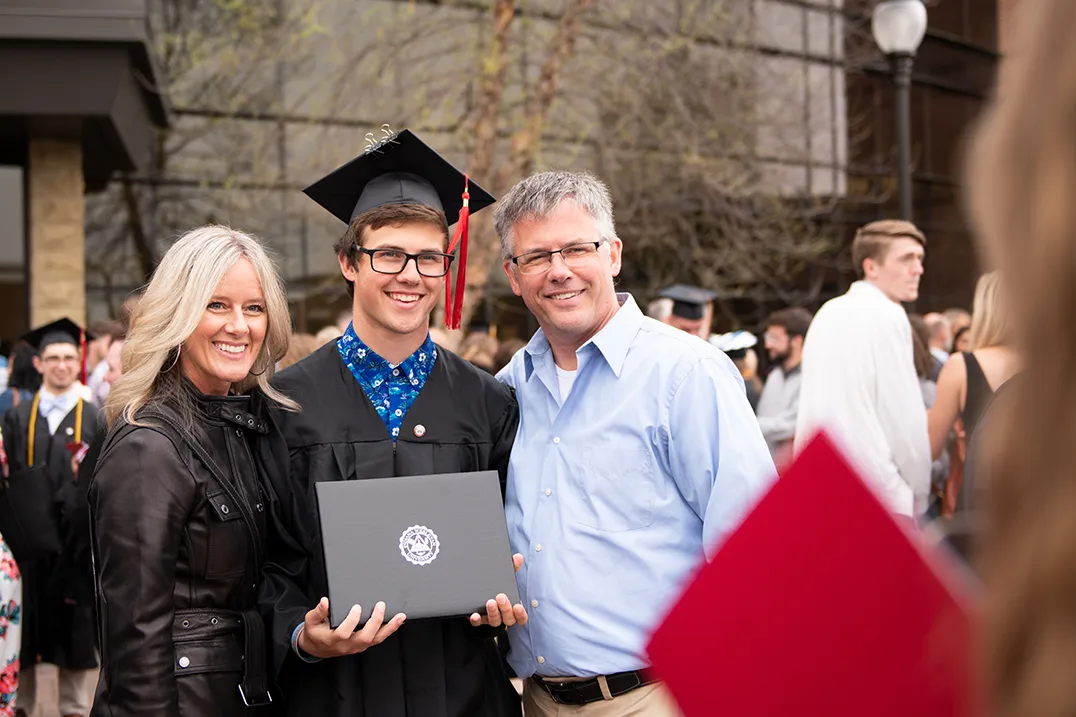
[370,364]
[613,340]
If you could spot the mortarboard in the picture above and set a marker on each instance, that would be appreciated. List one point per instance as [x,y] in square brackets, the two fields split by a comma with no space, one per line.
[821,603]
[402,169]
[689,302]
[61,331]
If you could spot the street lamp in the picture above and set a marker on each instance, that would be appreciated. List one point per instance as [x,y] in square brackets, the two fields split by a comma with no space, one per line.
[898,27]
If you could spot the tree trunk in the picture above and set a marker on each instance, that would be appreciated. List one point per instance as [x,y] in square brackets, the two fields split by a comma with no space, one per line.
[491,92]
[485,251]
[147,259]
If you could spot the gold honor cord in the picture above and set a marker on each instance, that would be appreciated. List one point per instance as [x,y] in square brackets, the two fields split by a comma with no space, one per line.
[33,427]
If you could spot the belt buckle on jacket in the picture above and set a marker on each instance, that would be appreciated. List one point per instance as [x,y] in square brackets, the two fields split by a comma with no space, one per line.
[255,703]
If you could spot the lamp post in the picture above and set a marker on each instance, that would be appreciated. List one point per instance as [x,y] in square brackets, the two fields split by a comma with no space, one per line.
[898,27]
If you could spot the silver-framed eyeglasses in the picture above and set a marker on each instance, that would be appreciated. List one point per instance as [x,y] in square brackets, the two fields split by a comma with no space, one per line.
[538,262]
[393,261]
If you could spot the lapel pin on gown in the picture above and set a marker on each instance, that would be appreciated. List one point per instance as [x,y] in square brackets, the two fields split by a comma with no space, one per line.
[420,430]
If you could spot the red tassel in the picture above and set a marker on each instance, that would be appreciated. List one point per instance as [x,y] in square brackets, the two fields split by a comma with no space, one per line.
[454,300]
[82,350]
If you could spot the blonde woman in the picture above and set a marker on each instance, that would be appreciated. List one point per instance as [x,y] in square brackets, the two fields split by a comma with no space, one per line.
[968,380]
[178,514]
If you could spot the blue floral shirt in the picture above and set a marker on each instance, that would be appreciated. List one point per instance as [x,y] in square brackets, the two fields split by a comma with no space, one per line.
[391,389]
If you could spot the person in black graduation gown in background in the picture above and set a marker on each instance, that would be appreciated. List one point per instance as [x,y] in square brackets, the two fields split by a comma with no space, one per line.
[692,309]
[384,401]
[51,429]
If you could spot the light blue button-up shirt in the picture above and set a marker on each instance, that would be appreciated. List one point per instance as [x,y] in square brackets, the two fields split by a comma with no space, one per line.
[616,494]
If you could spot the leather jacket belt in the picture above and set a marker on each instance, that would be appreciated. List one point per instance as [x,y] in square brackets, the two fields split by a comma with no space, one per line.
[192,626]
[586,691]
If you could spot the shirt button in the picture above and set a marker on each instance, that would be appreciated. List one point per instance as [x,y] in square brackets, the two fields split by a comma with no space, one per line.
[548,492]
[556,439]
[534,603]
[395,372]
[538,548]
[541,660]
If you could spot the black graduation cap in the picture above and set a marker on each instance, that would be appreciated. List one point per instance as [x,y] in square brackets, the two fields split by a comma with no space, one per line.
[61,331]
[402,169]
[689,302]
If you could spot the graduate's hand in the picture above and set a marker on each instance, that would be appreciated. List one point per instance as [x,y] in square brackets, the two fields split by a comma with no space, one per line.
[319,640]
[501,612]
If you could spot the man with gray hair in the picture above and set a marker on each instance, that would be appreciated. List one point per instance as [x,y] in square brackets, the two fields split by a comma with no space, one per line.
[941,338]
[637,452]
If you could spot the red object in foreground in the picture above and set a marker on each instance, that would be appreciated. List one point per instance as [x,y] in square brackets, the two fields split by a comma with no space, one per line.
[821,603]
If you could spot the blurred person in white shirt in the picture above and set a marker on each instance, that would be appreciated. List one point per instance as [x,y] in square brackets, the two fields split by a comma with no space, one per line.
[859,378]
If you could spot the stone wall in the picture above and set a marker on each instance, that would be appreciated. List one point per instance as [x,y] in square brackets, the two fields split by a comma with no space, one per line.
[57,248]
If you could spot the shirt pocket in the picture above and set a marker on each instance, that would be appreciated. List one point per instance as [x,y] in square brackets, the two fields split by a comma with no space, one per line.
[229,543]
[615,488]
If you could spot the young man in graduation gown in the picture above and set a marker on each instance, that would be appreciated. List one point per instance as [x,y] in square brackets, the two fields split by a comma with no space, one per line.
[383,401]
[58,614]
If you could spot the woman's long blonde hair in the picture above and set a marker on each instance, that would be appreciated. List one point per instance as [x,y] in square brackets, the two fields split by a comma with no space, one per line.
[989,321]
[172,307]
[1022,179]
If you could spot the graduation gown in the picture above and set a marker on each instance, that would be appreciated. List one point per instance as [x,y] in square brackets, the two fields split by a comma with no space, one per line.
[59,625]
[428,668]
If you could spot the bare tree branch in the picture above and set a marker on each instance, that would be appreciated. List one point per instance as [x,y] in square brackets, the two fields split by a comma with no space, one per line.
[524,142]
[492,90]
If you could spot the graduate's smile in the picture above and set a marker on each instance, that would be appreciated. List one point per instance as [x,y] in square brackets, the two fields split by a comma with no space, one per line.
[405,300]
[395,308]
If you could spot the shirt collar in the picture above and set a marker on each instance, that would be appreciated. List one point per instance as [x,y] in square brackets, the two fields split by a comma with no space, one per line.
[69,396]
[370,362]
[613,340]
[867,289]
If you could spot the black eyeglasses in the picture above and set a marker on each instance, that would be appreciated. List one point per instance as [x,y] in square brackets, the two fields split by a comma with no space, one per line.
[537,262]
[393,261]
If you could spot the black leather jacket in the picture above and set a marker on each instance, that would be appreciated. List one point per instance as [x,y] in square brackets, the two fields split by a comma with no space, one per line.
[178,516]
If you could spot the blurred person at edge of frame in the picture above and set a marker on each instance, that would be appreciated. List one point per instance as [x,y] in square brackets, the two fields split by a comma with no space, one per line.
[49,434]
[1021,176]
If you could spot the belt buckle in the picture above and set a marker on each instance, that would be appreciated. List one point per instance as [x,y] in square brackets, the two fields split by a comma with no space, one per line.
[638,682]
[248,703]
[548,687]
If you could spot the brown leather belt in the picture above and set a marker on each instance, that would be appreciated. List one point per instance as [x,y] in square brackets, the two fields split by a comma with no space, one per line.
[587,691]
